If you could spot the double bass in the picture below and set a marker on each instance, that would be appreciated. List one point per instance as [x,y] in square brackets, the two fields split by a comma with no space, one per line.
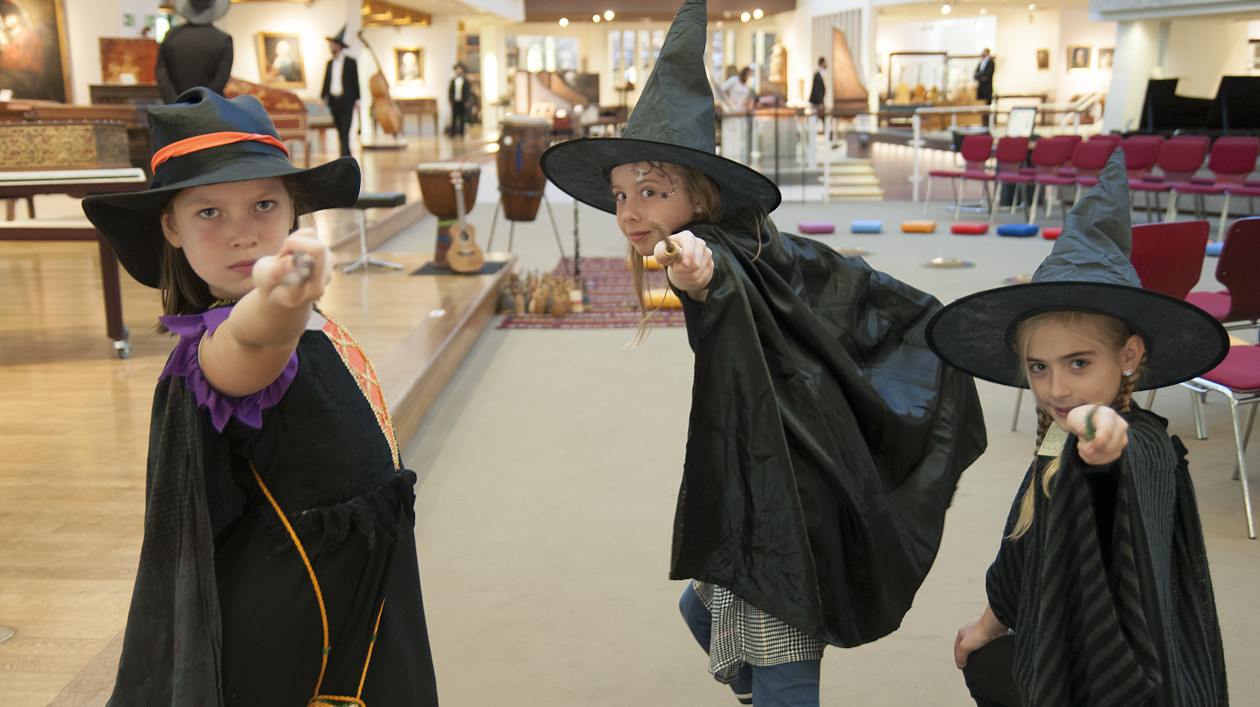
[383,107]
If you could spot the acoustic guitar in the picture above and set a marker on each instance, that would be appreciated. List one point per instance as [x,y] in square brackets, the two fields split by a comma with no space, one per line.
[464,255]
[383,107]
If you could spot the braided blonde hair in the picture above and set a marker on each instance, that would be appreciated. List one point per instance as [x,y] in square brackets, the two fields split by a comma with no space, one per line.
[1109,332]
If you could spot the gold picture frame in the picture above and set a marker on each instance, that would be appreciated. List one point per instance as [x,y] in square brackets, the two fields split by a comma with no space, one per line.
[1078,57]
[409,65]
[280,62]
[35,61]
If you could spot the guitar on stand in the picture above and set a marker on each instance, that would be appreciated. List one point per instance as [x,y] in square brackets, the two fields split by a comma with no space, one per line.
[464,255]
[384,109]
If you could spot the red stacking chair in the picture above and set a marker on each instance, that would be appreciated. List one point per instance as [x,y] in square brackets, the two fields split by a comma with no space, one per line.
[1179,158]
[1067,168]
[1140,154]
[1238,379]
[1089,158]
[1238,269]
[1008,156]
[1231,160]
[976,151]
[1048,154]
[1168,257]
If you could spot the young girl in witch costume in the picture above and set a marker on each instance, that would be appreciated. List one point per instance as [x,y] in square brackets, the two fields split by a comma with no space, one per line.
[825,438]
[279,564]
[1102,573]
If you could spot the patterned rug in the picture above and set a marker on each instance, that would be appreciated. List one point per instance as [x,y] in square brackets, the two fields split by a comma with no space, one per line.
[612,304]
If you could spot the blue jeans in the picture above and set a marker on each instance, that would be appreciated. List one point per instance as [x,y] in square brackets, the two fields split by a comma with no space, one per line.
[785,685]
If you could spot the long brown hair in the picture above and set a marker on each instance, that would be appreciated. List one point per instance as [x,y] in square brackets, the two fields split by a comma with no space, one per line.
[1111,334]
[708,200]
[183,290]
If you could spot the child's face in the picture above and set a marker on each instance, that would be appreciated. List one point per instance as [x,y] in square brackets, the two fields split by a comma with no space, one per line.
[1067,369]
[647,194]
[224,228]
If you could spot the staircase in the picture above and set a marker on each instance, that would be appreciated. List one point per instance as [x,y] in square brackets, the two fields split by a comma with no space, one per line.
[851,179]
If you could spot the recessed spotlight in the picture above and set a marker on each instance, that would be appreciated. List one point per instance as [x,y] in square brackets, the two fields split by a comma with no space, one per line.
[609,14]
[744,17]
[596,18]
[564,22]
[757,14]
[984,11]
[945,9]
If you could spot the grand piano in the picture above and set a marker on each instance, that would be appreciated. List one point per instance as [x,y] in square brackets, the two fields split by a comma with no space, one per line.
[1235,110]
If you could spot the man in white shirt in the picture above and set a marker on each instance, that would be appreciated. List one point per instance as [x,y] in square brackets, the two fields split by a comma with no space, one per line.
[735,91]
[341,89]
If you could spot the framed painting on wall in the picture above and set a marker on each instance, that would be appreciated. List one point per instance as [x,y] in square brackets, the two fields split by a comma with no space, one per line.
[34,62]
[280,59]
[409,64]
[1078,57]
[1106,56]
[1043,59]
[128,60]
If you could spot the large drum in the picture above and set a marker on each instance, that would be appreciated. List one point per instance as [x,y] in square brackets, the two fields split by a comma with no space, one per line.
[438,193]
[522,140]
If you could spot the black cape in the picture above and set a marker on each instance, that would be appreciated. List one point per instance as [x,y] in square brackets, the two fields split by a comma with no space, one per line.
[1152,637]
[825,438]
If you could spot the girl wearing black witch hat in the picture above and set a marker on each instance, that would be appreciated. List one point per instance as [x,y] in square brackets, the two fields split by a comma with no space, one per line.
[279,558]
[825,438]
[1102,574]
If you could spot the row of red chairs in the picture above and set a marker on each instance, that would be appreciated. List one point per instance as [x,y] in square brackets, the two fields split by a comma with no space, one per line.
[1155,166]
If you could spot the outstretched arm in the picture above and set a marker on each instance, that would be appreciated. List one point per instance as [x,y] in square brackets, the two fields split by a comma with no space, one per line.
[249,350]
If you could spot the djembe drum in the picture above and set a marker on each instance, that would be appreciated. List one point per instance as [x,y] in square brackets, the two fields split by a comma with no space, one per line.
[522,140]
[438,194]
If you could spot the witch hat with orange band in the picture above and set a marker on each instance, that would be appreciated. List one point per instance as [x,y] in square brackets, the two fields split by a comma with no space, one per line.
[203,138]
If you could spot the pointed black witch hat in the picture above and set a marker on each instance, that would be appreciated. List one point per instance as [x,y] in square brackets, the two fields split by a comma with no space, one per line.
[673,121]
[1087,271]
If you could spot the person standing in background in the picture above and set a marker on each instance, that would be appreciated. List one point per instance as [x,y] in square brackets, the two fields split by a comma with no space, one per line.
[984,77]
[195,53]
[341,89]
[459,92]
[818,94]
[735,91]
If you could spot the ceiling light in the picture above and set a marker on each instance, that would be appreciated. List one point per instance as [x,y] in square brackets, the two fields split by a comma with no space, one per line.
[595,18]
[609,14]
[757,14]
[1032,6]
[945,9]
[564,22]
[983,11]
[744,17]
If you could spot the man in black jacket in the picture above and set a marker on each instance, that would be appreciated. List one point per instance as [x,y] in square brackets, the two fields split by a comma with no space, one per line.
[195,53]
[984,77]
[459,93]
[341,89]
[818,94]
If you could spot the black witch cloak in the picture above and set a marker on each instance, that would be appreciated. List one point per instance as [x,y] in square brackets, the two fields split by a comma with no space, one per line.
[826,439]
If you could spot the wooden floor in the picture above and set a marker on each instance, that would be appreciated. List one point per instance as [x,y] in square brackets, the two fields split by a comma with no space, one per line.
[74,418]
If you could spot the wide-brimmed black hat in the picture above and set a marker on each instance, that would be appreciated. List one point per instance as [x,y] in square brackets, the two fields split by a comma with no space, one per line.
[202,12]
[339,38]
[203,138]
[673,121]
[1088,270]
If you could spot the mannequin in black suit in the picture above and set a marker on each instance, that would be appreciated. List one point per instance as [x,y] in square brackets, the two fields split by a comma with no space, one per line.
[459,93]
[342,100]
[984,77]
[195,53]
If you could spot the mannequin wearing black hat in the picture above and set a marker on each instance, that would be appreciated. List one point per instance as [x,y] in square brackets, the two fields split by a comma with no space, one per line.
[824,440]
[340,91]
[265,407]
[195,53]
[1102,572]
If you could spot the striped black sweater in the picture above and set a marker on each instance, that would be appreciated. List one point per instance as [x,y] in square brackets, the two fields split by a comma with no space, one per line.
[1150,636]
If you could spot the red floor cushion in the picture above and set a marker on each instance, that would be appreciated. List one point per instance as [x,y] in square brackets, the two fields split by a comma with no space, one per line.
[969,228]
[816,227]
[1052,233]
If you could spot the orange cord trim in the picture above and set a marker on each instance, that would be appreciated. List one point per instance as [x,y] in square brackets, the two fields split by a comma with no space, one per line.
[209,140]
[319,700]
